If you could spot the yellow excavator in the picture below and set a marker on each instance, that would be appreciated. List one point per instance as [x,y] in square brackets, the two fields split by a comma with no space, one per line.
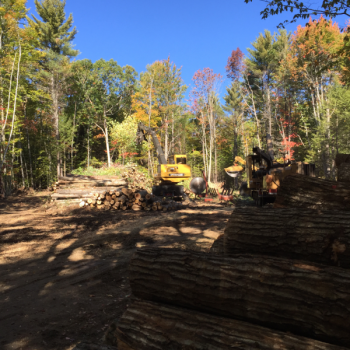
[169,172]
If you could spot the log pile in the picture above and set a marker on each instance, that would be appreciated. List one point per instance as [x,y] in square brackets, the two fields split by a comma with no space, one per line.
[105,193]
[238,300]
[127,199]
[304,234]
[284,272]
[299,191]
[160,325]
[342,162]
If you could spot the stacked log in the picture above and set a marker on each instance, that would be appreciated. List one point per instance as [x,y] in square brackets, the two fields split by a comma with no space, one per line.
[108,193]
[298,191]
[342,162]
[81,182]
[153,326]
[308,299]
[304,234]
[127,199]
[277,278]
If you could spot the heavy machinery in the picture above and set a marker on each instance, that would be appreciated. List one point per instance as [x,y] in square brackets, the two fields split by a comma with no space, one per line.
[264,175]
[237,167]
[169,172]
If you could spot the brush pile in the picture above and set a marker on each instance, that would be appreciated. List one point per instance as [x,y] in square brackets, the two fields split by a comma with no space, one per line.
[137,180]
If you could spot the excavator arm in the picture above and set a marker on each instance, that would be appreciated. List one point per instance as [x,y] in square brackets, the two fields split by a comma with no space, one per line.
[142,131]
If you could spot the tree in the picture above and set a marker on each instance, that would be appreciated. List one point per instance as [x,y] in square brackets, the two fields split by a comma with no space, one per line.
[56,39]
[204,99]
[111,94]
[311,60]
[326,8]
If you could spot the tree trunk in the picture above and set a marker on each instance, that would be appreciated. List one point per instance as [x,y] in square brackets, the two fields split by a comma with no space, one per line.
[344,172]
[320,237]
[152,326]
[299,191]
[73,132]
[307,299]
[54,96]
[107,140]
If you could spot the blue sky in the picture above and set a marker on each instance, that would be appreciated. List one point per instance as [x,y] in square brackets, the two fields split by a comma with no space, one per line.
[195,34]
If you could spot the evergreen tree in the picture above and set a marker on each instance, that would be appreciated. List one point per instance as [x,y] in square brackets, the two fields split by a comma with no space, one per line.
[54,29]
[56,40]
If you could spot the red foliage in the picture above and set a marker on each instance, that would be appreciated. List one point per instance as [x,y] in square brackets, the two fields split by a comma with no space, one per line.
[235,64]
[129,154]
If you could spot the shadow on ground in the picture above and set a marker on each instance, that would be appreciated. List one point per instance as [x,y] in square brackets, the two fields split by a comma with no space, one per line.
[63,272]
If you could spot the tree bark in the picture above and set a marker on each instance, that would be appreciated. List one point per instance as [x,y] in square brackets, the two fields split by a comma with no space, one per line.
[299,191]
[152,326]
[307,299]
[344,172]
[320,237]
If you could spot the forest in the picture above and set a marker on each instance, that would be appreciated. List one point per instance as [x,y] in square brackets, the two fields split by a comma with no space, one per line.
[63,115]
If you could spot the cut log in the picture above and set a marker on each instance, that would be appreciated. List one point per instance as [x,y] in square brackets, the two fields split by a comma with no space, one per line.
[72,195]
[304,234]
[136,207]
[344,172]
[153,326]
[307,299]
[299,191]
[341,158]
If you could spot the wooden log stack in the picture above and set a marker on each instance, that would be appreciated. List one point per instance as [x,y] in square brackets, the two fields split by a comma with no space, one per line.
[106,193]
[127,199]
[299,191]
[342,162]
[283,283]
[303,234]
[161,326]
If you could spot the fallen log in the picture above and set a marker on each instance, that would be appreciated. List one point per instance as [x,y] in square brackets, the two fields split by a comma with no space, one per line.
[299,191]
[341,158]
[307,299]
[71,195]
[344,172]
[304,234]
[152,326]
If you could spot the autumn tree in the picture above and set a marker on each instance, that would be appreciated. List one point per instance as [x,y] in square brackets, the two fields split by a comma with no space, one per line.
[204,97]
[311,60]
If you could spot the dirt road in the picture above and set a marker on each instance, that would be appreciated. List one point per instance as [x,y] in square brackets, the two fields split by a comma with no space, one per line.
[63,272]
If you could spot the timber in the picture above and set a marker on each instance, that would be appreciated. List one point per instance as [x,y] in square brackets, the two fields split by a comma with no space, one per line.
[307,299]
[344,172]
[153,326]
[341,158]
[298,191]
[304,234]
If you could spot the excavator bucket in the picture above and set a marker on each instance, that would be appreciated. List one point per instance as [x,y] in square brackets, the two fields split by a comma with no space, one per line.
[234,170]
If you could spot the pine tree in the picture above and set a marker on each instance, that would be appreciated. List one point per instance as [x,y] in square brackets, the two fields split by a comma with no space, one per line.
[53,30]
[56,40]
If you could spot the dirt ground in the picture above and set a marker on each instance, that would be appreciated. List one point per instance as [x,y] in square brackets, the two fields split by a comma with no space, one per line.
[63,271]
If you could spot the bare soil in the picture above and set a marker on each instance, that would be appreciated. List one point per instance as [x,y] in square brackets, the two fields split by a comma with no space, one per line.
[64,271]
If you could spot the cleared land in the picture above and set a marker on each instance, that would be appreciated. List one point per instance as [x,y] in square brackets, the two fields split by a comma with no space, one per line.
[64,271]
